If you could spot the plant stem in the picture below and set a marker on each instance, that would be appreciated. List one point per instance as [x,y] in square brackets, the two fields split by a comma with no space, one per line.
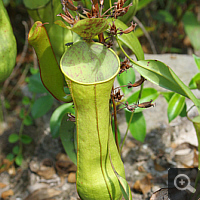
[140,93]
[22,126]
[129,123]
[110,3]
[120,46]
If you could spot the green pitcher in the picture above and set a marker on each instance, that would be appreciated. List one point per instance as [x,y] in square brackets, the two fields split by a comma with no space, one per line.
[90,69]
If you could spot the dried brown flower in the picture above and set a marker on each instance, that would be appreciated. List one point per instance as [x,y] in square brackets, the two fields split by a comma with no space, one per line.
[117,96]
[146,104]
[129,29]
[137,83]
[125,65]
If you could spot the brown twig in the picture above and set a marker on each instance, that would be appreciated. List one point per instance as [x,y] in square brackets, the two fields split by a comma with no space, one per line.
[146,34]
[22,78]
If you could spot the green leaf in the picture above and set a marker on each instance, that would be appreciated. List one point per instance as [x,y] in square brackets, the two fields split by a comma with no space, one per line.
[131,11]
[28,121]
[130,40]
[125,78]
[19,159]
[164,16]
[7,104]
[41,106]
[184,111]
[35,4]
[137,126]
[167,95]
[147,95]
[35,84]
[143,3]
[22,113]
[25,100]
[160,74]
[197,61]
[26,139]
[192,29]
[139,32]
[34,70]
[196,123]
[15,149]
[194,83]
[14,137]
[57,117]
[175,106]
[68,137]
[10,156]
[126,191]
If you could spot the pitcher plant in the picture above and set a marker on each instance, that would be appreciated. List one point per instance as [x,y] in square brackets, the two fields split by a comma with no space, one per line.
[89,67]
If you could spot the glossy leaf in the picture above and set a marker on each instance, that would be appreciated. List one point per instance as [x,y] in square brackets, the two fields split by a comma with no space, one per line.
[124,78]
[197,61]
[14,137]
[147,95]
[130,40]
[68,137]
[57,117]
[192,29]
[167,95]
[26,139]
[160,74]
[137,126]
[184,111]
[195,82]
[41,106]
[175,106]
[125,188]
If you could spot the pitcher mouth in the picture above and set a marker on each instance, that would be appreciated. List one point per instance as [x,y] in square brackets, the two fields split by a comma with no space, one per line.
[89,63]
